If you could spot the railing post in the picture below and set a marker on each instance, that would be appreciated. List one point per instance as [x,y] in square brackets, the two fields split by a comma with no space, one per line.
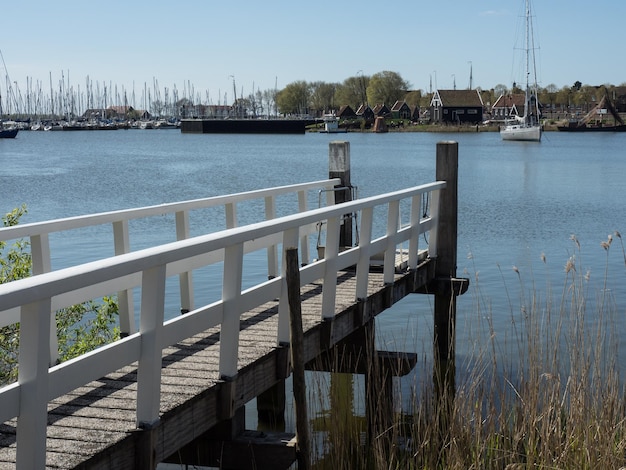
[415,218]
[231,291]
[445,269]
[151,327]
[304,238]
[40,253]
[329,287]
[339,167]
[272,253]
[185,280]
[393,218]
[33,379]
[121,241]
[363,265]
[290,239]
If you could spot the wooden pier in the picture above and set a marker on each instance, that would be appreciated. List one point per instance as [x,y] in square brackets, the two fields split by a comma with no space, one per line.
[175,391]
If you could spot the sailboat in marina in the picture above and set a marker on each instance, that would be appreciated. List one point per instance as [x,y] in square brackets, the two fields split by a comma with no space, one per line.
[526,127]
[10,132]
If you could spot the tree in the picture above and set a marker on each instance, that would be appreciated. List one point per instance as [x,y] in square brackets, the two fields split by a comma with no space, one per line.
[322,96]
[386,88]
[352,91]
[585,95]
[499,90]
[547,95]
[294,98]
[80,328]
[269,101]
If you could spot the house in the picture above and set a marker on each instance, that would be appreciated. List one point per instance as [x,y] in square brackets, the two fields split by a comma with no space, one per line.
[401,110]
[346,112]
[121,112]
[415,113]
[508,105]
[365,112]
[619,99]
[456,106]
[381,110]
[116,112]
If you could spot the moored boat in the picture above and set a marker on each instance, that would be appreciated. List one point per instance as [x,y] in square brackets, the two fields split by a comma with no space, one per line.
[331,125]
[8,133]
[526,127]
[590,122]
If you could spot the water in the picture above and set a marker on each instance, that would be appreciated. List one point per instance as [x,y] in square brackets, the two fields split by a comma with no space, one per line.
[517,202]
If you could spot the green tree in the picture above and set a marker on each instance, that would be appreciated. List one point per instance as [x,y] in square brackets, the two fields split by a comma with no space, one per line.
[322,96]
[386,88]
[80,328]
[585,96]
[564,97]
[294,98]
[352,91]
[547,95]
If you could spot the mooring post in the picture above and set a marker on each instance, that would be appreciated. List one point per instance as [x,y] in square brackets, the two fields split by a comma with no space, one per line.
[339,167]
[445,270]
[297,358]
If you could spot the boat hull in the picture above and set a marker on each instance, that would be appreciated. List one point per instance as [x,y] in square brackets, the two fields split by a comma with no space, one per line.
[8,133]
[521,133]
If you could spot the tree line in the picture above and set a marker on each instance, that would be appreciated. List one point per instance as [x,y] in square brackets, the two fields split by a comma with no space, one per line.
[301,97]
[297,98]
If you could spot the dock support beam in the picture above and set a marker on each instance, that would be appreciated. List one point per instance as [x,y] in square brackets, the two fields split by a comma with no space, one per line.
[339,167]
[445,299]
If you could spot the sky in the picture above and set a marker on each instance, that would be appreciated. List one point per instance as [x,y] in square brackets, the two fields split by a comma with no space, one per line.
[208,46]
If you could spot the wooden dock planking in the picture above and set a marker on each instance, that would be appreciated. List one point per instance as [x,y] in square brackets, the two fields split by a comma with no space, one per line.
[94,426]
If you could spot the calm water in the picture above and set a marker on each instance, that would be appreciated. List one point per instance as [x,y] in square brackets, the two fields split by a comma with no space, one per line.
[517,202]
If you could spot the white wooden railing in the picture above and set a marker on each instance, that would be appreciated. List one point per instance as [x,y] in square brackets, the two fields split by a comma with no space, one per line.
[39,233]
[36,297]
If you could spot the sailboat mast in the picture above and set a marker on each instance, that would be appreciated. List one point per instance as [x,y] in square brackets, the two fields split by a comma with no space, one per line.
[527,47]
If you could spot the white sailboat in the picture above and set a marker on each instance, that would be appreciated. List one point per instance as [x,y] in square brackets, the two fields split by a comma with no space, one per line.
[526,127]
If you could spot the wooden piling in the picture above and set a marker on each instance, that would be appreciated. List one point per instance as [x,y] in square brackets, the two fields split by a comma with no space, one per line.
[339,167]
[297,358]
[445,270]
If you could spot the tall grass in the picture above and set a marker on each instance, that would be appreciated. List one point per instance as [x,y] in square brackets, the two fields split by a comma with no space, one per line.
[548,396]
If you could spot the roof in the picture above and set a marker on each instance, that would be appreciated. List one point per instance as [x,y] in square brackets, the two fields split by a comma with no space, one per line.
[121,109]
[380,109]
[345,111]
[465,98]
[397,106]
[510,100]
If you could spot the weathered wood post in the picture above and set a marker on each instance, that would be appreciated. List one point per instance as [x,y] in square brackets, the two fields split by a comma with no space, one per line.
[339,167]
[297,358]
[446,287]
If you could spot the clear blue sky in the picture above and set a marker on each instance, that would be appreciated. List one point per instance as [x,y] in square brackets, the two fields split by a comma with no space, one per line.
[205,43]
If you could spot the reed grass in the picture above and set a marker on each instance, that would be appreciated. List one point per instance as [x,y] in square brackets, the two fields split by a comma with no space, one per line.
[549,396]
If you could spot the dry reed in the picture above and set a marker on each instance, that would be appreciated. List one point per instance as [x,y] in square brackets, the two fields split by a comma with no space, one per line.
[548,397]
